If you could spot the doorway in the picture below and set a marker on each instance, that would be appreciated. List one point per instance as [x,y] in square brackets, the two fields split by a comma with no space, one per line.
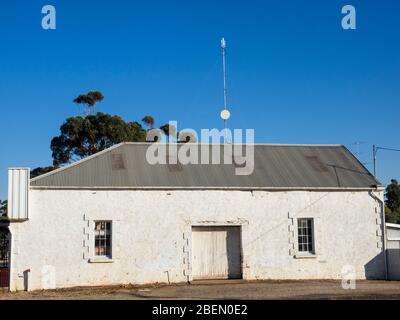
[216,253]
[5,237]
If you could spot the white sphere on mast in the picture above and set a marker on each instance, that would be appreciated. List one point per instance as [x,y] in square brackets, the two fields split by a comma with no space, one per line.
[225,115]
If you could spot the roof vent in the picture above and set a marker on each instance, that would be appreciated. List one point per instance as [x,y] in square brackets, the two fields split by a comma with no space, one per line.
[117,161]
[317,164]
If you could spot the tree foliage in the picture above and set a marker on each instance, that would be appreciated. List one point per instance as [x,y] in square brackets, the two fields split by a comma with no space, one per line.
[81,137]
[392,216]
[392,202]
[42,170]
[89,100]
[3,208]
[169,130]
[149,121]
[393,196]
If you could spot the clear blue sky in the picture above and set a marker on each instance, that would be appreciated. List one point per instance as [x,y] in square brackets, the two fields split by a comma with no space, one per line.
[294,75]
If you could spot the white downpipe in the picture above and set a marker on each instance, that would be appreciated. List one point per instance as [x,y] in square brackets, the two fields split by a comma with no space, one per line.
[384,242]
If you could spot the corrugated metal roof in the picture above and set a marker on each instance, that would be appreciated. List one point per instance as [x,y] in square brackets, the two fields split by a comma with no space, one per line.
[275,166]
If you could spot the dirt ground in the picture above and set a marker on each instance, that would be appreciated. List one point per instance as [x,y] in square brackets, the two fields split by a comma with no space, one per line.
[234,290]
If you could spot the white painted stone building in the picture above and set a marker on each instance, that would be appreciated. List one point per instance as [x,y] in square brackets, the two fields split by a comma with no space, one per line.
[306,212]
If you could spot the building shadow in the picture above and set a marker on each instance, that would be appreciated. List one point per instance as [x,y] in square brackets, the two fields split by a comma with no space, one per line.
[234,252]
[375,268]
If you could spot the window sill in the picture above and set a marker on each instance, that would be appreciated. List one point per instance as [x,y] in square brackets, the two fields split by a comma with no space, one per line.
[101,260]
[305,256]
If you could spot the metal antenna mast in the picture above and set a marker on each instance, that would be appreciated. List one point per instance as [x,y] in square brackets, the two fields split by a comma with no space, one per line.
[225,114]
[357,151]
[223,47]
[375,150]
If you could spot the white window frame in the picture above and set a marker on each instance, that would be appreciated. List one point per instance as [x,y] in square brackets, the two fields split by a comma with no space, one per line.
[102,257]
[305,254]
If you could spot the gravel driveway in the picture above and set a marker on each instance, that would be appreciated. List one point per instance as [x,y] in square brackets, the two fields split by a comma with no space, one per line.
[225,290]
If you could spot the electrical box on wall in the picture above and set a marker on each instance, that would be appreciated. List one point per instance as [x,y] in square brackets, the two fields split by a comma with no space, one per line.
[18,194]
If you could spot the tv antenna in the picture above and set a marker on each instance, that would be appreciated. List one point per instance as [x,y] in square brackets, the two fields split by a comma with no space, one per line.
[358,152]
[225,114]
[375,150]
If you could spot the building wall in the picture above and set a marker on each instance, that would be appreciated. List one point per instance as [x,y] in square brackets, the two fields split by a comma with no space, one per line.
[393,251]
[152,235]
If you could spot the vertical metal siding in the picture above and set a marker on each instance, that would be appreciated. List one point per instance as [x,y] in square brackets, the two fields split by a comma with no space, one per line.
[18,193]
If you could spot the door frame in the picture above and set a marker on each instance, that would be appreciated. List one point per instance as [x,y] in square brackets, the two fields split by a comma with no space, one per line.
[241,225]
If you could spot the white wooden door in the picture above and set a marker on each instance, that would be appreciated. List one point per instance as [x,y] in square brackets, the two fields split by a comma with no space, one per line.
[216,253]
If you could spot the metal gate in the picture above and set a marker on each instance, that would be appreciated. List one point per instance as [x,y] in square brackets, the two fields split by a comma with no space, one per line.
[4,258]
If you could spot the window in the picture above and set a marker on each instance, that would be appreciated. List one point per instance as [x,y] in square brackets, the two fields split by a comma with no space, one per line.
[102,239]
[305,235]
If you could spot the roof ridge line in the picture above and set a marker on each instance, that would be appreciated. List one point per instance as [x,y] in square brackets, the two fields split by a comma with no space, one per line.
[254,144]
[78,162]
